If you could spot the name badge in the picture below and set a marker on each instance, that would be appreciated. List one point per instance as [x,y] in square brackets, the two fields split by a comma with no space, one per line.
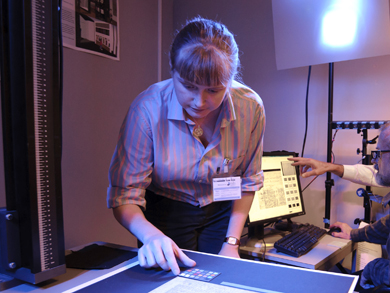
[226,187]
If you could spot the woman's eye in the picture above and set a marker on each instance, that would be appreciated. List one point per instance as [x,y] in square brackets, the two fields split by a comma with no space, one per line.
[188,86]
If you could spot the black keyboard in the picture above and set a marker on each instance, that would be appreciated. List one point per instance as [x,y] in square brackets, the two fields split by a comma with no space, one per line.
[300,241]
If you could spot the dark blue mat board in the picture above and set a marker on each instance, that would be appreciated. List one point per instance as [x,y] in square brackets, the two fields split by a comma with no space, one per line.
[247,273]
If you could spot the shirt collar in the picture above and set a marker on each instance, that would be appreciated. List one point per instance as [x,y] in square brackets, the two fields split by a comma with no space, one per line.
[175,110]
[228,112]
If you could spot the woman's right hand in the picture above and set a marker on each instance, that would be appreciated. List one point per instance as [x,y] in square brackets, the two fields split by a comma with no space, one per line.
[160,251]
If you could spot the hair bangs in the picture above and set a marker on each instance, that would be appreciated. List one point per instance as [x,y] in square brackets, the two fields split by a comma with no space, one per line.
[204,66]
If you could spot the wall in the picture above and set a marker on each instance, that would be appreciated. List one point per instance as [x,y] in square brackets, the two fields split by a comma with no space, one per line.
[97,93]
[360,93]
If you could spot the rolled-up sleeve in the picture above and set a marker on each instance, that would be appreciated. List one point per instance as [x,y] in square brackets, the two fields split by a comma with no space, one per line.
[132,161]
[253,178]
[361,174]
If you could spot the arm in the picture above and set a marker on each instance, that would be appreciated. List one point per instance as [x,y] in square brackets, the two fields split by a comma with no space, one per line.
[237,220]
[129,175]
[252,175]
[158,249]
[361,174]
[377,232]
[376,271]
[317,167]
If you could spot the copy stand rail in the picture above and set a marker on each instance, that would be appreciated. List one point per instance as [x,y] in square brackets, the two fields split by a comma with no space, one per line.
[31,225]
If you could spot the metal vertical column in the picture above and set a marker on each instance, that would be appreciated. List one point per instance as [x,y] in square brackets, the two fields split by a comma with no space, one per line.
[329,181]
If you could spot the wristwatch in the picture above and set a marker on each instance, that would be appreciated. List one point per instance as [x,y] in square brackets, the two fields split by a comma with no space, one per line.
[232,240]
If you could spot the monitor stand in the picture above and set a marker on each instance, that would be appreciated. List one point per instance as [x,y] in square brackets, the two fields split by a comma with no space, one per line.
[260,236]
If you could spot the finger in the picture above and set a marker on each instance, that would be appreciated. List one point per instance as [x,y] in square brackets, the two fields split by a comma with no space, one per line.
[188,262]
[177,253]
[141,259]
[146,258]
[336,224]
[308,174]
[171,261]
[156,253]
[292,159]
[297,159]
[162,260]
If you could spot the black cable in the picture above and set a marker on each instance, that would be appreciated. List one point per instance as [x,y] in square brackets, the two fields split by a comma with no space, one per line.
[309,183]
[307,120]
[333,160]
[264,250]
[306,111]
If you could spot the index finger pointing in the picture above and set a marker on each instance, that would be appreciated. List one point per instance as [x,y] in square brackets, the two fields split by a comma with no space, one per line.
[177,253]
[171,261]
[185,259]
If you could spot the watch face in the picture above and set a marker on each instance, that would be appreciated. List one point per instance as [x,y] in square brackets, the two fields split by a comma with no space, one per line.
[232,241]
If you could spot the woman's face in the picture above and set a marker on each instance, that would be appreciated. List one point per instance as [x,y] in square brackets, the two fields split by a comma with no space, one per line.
[198,100]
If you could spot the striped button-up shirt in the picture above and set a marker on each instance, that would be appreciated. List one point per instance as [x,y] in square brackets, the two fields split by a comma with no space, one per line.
[157,149]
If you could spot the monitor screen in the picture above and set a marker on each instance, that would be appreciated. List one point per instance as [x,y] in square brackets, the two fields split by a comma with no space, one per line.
[280,197]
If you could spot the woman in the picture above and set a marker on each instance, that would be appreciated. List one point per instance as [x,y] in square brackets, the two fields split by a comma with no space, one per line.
[178,135]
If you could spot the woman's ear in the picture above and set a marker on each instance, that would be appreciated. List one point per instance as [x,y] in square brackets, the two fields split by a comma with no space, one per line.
[170,66]
[172,71]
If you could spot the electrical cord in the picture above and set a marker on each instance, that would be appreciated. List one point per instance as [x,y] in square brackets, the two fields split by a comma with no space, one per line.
[307,120]
[264,250]
[333,160]
[309,183]
[306,111]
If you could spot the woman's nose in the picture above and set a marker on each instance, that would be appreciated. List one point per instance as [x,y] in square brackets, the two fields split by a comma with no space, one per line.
[200,99]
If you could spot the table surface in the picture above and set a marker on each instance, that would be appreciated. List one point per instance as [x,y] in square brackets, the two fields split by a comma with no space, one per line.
[323,256]
[233,271]
[239,273]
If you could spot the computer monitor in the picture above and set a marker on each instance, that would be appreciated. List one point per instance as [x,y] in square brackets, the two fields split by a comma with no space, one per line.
[280,197]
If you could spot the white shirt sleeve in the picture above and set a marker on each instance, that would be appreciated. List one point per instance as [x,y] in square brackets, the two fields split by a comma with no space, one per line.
[361,174]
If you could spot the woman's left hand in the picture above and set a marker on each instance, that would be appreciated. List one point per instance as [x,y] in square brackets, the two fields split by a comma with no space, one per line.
[229,250]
